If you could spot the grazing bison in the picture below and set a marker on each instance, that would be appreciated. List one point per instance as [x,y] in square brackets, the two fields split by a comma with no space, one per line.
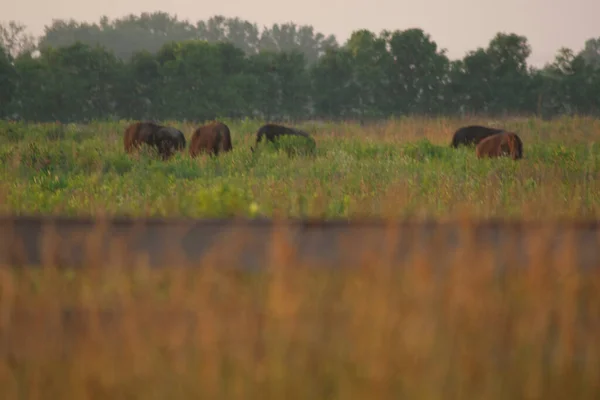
[501,144]
[272,132]
[168,140]
[472,135]
[212,138]
[163,138]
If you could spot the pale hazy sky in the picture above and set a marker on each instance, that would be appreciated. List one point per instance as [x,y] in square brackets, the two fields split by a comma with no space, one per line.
[458,25]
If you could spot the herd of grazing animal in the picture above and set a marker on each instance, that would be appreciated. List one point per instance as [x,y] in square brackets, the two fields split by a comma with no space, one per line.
[212,138]
[489,142]
[215,138]
[165,139]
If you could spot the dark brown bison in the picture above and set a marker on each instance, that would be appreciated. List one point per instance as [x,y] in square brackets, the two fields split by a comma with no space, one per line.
[472,135]
[212,138]
[166,140]
[272,132]
[500,145]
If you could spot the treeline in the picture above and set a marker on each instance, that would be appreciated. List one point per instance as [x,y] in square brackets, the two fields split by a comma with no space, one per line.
[226,68]
[150,31]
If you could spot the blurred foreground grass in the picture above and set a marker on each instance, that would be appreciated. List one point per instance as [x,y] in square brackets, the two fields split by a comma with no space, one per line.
[398,168]
[476,330]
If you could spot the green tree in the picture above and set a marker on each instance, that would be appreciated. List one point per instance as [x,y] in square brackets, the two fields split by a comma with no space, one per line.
[495,80]
[124,36]
[138,89]
[571,84]
[242,34]
[334,91]
[33,100]
[199,80]
[226,67]
[417,73]
[591,52]
[370,59]
[290,37]
[68,84]
[150,31]
[8,82]
[15,40]
[472,85]
[282,85]
[508,54]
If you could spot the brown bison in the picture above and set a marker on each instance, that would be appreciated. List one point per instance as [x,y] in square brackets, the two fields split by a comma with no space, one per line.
[212,138]
[271,132]
[472,135]
[166,140]
[501,144]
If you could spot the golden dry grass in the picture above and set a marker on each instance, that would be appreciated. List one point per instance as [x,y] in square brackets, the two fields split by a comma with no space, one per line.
[386,330]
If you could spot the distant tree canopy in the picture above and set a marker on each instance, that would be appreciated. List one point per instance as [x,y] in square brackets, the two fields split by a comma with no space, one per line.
[150,31]
[154,66]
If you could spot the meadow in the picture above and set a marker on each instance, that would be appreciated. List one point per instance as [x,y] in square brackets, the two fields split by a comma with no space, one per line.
[384,330]
[401,168]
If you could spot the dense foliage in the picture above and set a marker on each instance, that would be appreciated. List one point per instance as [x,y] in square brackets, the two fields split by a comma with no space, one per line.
[155,66]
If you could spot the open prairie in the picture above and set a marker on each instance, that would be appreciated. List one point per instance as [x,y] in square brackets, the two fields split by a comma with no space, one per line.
[401,168]
[470,319]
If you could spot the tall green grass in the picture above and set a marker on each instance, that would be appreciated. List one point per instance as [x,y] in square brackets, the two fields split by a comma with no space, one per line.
[400,168]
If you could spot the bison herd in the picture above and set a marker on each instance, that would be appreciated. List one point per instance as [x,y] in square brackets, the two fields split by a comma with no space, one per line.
[215,138]
[489,142]
[165,139]
[212,139]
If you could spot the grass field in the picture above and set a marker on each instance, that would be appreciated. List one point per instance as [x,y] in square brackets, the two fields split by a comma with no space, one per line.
[384,331]
[401,168]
